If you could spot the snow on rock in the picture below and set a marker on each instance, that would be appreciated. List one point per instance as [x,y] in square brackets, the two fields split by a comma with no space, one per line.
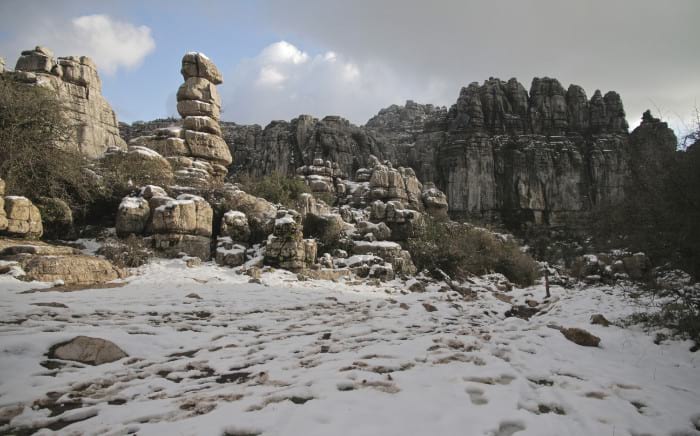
[287,357]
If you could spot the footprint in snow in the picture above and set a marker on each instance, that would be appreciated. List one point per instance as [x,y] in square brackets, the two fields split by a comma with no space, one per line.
[476,395]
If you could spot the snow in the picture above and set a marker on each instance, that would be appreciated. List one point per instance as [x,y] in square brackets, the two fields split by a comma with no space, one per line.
[144,151]
[287,219]
[378,244]
[132,203]
[234,214]
[289,357]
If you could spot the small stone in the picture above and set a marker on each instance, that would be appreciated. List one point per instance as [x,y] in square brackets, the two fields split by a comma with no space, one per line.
[429,307]
[599,320]
[194,296]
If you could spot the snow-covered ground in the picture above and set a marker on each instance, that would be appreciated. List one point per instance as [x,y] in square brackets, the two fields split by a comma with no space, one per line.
[289,357]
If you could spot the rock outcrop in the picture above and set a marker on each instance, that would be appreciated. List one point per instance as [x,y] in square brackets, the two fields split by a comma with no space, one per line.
[21,218]
[77,85]
[194,146]
[286,247]
[547,156]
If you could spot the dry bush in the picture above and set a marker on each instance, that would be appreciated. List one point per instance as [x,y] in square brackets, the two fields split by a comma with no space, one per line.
[131,252]
[461,250]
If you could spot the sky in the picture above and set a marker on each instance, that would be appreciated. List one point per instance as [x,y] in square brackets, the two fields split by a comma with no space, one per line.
[352,58]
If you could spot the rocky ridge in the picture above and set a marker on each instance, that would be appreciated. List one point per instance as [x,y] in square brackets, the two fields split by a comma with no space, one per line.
[547,156]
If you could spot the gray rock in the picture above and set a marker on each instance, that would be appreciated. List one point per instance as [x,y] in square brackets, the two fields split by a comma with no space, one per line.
[87,350]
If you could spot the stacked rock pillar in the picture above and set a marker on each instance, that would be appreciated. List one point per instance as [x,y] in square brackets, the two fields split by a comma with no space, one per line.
[198,102]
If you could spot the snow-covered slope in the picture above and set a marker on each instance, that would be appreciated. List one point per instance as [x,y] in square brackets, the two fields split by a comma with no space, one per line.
[289,357]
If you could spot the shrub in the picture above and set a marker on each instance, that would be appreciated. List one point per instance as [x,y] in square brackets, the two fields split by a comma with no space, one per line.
[275,188]
[676,309]
[123,172]
[131,252]
[461,250]
[33,161]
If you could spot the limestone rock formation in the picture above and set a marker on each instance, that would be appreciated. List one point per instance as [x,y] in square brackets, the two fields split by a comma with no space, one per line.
[77,84]
[194,146]
[544,156]
[70,269]
[22,218]
[286,247]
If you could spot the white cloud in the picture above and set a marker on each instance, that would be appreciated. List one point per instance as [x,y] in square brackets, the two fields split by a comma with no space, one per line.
[111,43]
[283,81]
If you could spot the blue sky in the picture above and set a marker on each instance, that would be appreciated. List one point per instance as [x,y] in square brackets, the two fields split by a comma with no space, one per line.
[280,58]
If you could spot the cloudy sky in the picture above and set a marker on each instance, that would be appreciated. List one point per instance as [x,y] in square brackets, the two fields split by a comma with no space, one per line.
[351,58]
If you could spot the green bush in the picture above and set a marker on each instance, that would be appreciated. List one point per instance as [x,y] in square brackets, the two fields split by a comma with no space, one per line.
[461,250]
[275,188]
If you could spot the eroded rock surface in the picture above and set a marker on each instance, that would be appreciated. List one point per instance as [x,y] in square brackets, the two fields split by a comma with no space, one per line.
[77,85]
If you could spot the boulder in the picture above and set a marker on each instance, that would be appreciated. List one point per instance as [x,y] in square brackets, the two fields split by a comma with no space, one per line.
[56,218]
[87,350]
[286,248]
[580,337]
[23,218]
[71,269]
[175,245]
[234,224]
[188,214]
[208,146]
[196,64]
[132,216]
[326,229]
[259,212]
[228,253]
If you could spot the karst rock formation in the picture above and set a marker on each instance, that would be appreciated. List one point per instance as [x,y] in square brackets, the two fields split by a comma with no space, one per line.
[76,83]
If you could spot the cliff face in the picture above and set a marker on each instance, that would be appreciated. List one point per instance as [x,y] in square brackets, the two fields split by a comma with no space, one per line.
[547,156]
[77,84]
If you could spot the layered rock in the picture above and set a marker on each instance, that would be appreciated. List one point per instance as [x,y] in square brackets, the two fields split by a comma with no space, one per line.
[177,225]
[21,218]
[77,85]
[195,146]
[544,156]
[286,247]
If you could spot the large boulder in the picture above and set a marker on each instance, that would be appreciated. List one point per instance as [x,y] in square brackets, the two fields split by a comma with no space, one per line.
[176,245]
[23,218]
[188,214]
[234,224]
[208,146]
[228,253]
[132,216]
[84,349]
[326,229]
[71,269]
[197,88]
[259,212]
[286,247]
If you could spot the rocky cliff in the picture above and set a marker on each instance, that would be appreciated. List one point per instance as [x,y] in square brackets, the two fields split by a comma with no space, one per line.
[544,156]
[77,84]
